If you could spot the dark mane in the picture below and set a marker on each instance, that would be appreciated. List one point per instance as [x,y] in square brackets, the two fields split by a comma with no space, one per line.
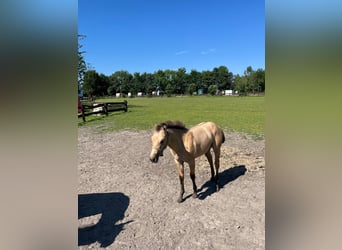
[172,124]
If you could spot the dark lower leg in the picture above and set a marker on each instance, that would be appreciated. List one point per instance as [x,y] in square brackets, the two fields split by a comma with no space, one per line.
[194,195]
[181,180]
[217,166]
[192,176]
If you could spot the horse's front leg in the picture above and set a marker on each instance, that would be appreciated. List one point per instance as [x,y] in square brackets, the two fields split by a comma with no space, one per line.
[180,168]
[193,177]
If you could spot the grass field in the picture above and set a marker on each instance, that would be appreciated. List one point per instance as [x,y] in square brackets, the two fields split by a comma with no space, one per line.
[241,114]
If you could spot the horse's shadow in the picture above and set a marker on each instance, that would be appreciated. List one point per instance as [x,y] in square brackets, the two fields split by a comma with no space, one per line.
[225,177]
[112,207]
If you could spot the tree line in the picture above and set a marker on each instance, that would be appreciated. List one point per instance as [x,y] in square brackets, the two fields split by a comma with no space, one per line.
[168,82]
[173,82]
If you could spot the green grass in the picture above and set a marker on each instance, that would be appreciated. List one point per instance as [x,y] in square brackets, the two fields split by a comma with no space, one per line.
[241,114]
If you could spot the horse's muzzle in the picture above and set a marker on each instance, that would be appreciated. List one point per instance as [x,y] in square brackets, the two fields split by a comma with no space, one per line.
[155,158]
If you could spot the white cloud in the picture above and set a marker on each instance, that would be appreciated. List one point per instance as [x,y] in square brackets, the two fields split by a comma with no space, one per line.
[182,52]
[209,51]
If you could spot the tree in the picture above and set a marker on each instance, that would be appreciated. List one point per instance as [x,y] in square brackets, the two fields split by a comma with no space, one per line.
[240,83]
[191,88]
[95,84]
[222,78]
[91,78]
[82,67]
[195,77]
[111,90]
[120,82]
[102,85]
[147,80]
[207,80]
[170,81]
[136,85]
[212,89]
[255,80]
[169,89]
[250,80]
[180,81]
[260,79]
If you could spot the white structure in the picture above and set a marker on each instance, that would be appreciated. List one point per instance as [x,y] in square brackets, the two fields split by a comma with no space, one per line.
[118,95]
[228,92]
[129,94]
[96,109]
[140,94]
[156,93]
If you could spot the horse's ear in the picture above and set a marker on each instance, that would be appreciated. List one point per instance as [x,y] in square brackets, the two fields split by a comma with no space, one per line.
[165,127]
[158,127]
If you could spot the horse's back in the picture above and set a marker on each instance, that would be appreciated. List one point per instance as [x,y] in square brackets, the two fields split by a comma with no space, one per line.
[204,125]
[209,128]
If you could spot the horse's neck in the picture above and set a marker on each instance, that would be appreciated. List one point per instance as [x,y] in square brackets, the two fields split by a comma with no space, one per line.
[175,140]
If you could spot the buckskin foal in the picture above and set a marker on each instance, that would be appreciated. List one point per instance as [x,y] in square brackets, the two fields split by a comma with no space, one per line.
[186,145]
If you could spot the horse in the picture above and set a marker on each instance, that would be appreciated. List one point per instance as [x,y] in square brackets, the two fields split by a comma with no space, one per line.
[187,144]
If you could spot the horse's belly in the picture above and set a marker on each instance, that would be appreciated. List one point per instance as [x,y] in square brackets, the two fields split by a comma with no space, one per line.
[199,149]
[198,142]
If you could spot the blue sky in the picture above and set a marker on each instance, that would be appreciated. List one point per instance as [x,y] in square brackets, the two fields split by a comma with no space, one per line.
[145,36]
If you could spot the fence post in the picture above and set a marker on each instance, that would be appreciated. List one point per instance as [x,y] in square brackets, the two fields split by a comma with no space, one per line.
[83,116]
[105,108]
[126,106]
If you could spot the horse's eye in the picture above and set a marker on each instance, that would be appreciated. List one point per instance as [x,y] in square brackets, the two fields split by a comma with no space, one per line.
[162,141]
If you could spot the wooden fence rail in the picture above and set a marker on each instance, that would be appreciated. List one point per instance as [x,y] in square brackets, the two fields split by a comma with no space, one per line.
[104,108]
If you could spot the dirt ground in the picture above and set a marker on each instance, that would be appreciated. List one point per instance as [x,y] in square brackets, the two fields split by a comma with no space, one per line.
[127,202]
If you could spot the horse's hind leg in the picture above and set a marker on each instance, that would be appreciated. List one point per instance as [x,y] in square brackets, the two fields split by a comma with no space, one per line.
[217,166]
[210,160]
[192,176]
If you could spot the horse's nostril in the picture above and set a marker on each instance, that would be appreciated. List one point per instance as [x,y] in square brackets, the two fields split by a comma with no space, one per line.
[154,160]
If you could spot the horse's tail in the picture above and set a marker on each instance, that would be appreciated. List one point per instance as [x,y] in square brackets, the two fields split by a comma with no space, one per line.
[223,137]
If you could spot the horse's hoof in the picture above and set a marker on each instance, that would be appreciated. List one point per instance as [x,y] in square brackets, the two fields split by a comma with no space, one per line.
[194,195]
[180,200]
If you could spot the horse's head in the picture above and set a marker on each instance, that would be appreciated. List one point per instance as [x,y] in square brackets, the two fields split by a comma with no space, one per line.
[159,142]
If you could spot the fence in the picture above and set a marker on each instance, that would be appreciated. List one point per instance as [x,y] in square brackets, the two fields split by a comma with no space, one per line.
[102,108]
